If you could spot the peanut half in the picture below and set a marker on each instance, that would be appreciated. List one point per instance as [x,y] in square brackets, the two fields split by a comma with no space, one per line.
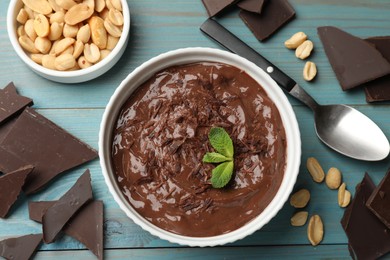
[333,178]
[303,51]
[39,6]
[27,44]
[41,25]
[300,199]
[64,62]
[98,32]
[344,196]
[309,71]
[295,40]
[299,219]
[78,13]
[315,169]
[315,230]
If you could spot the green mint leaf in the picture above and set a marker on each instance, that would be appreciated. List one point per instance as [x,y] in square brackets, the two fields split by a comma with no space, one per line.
[215,158]
[221,141]
[222,174]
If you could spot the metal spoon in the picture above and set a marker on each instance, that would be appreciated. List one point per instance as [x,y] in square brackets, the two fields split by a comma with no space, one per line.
[341,127]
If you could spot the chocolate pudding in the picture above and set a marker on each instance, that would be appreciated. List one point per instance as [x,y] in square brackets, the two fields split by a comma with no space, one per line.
[161,136]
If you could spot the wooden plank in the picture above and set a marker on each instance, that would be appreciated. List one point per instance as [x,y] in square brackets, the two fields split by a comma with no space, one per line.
[153,20]
[121,232]
[275,252]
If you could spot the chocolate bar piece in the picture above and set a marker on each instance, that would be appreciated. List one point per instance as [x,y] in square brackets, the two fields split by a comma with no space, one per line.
[214,7]
[379,201]
[20,248]
[10,187]
[368,236]
[86,225]
[59,214]
[10,162]
[40,142]
[11,102]
[254,6]
[353,60]
[379,90]
[274,15]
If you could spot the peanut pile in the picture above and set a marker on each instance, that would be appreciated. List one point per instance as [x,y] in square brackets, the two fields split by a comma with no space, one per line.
[69,34]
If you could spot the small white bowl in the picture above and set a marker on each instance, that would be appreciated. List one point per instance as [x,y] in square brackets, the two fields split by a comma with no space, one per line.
[185,56]
[75,76]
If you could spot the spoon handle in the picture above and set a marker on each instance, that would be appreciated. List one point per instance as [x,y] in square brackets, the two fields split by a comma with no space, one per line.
[228,40]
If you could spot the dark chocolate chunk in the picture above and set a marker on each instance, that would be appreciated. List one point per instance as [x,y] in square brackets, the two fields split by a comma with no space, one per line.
[51,149]
[353,60]
[11,102]
[214,7]
[86,225]
[6,127]
[379,89]
[10,162]
[20,248]
[274,15]
[254,6]
[10,187]
[379,201]
[59,214]
[368,236]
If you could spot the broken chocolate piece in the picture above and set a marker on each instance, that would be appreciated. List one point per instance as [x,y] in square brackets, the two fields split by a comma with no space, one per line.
[86,225]
[20,248]
[379,200]
[254,6]
[379,89]
[353,60]
[274,15]
[40,142]
[10,162]
[10,187]
[11,102]
[368,237]
[59,214]
[214,7]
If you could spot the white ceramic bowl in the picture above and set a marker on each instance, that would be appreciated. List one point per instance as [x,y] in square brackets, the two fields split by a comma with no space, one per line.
[75,76]
[184,56]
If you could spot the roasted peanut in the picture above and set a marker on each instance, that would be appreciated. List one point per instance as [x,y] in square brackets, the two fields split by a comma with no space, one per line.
[41,26]
[116,4]
[99,5]
[98,32]
[344,196]
[20,31]
[78,13]
[113,30]
[84,34]
[91,52]
[78,49]
[27,44]
[70,30]
[315,169]
[22,16]
[299,219]
[333,178]
[55,31]
[53,4]
[111,42]
[42,44]
[63,44]
[66,4]
[115,17]
[48,61]
[83,63]
[29,12]
[68,50]
[303,51]
[295,40]
[300,199]
[37,57]
[39,6]
[29,29]
[57,17]
[104,53]
[309,71]
[64,62]
[315,230]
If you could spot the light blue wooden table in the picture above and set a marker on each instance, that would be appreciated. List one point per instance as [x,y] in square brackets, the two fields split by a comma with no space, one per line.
[159,26]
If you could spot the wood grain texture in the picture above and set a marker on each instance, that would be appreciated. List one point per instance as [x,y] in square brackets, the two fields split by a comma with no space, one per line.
[160,26]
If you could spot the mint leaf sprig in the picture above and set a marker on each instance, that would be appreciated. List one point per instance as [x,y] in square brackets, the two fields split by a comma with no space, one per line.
[223,144]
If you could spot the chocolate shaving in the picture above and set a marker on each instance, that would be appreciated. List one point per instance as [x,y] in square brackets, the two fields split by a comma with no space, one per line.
[38,141]
[379,203]
[274,15]
[10,187]
[59,214]
[214,7]
[254,6]
[11,102]
[86,226]
[353,60]
[20,248]
[368,236]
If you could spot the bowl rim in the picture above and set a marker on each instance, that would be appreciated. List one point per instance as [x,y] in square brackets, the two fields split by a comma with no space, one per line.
[12,36]
[273,90]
